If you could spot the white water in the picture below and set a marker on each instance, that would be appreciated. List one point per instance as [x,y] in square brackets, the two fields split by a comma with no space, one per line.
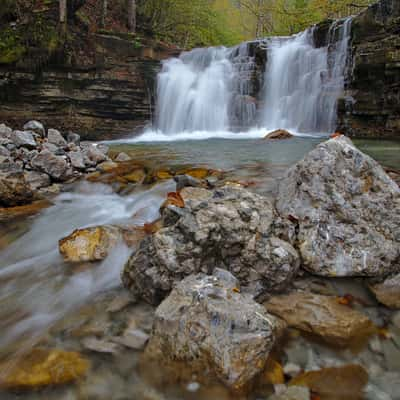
[37,288]
[207,93]
[303,82]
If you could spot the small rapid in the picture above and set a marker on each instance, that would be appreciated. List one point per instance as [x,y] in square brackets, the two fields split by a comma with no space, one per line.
[37,287]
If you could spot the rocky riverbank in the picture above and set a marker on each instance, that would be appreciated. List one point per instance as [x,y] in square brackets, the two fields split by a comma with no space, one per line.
[235,296]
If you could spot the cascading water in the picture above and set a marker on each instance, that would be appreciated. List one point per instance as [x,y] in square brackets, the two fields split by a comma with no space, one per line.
[194,91]
[303,83]
[210,91]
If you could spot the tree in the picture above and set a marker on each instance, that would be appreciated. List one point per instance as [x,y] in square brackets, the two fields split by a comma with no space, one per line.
[104,6]
[63,11]
[132,16]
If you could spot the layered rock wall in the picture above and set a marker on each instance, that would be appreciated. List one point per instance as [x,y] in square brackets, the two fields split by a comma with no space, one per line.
[110,97]
[371,103]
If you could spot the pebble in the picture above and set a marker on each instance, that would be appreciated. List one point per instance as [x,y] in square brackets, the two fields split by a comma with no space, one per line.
[193,387]
[100,346]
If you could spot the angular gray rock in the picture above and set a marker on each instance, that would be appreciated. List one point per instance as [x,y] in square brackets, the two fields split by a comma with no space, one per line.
[232,229]
[121,157]
[36,127]
[4,151]
[348,211]
[53,165]
[37,180]
[55,137]
[92,154]
[23,139]
[73,138]
[208,323]
[76,159]
[14,190]
[5,131]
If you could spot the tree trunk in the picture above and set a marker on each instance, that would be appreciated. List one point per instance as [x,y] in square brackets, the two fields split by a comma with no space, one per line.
[132,16]
[103,13]
[63,11]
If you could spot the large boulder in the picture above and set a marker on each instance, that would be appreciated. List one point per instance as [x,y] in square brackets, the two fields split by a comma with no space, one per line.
[55,166]
[230,228]
[14,190]
[347,209]
[207,322]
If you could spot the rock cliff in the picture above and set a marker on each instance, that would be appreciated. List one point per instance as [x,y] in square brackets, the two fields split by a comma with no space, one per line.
[371,104]
[97,82]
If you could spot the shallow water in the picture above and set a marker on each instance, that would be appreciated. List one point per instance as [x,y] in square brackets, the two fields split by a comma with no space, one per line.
[44,300]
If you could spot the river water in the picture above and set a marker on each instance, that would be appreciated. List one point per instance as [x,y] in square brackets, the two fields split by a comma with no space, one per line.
[201,96]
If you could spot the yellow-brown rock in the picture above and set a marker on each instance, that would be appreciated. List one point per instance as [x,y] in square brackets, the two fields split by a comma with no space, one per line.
[322,316]
[163,174]
[135,176]
[339,383]
[89,244]
[42,368]
[279,134]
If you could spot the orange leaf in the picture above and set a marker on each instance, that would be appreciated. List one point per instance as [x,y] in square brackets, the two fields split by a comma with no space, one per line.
[175,199]
[336,135]
[346,300]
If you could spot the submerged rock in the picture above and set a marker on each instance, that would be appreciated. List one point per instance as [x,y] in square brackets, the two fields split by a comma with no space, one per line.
[279,134]
[347,209]
[43,368]
[388,291]
[322,316]
[208,323]
[121,157]
[90,244]
[230,228]
[346,382]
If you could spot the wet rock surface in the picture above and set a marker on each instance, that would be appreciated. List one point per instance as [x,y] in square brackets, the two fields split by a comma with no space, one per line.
[43,368]
[388,291]
[14,189]
[90,244]
[208,322]
[230,228]
[348,211]
[279,134]
[322,316]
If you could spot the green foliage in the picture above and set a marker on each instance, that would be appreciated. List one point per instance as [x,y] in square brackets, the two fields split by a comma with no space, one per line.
[188,23]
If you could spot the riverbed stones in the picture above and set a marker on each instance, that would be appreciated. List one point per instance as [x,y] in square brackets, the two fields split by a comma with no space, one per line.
[5,131]
[322,316]
[54,137]
[14,189]
[76,159]
[37,180]
[35,126]
[43,368]
[23,139]
[207,322]
[347,209]
[90,244]
[388,291]
[231,228]
[55,166]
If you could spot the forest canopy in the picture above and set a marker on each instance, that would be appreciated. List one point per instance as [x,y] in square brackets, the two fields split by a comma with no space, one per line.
[213,22]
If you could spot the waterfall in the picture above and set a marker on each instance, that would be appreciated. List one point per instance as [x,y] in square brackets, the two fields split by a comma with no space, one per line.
[303,82]
[194,91]
[218,89]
